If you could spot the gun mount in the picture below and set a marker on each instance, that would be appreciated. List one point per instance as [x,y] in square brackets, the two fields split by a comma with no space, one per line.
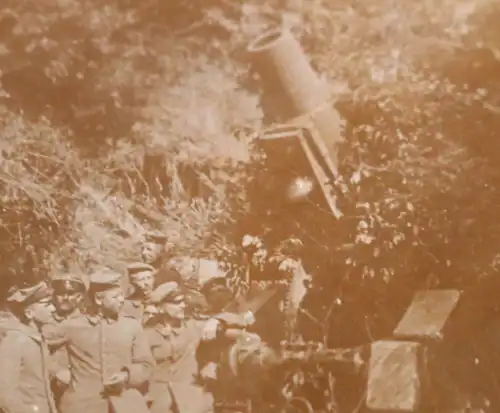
[295,377]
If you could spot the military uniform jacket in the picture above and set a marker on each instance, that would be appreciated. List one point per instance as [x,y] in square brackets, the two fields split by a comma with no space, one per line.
[24,375]
[60,358]
[99,348]
[134,307]
[177,372]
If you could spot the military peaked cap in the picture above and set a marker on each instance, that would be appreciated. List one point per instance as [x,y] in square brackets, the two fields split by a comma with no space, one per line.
[105,279]
[67,282]
[138,267]
[157,237]
[31,294]
[169,292]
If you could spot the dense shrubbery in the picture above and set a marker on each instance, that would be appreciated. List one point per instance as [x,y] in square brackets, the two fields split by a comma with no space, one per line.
[132,79]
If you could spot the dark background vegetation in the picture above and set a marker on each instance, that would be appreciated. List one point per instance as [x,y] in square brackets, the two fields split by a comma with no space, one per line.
[111,105]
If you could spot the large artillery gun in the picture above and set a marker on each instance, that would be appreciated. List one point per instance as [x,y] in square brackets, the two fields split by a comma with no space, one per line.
[303,377]
[295,192]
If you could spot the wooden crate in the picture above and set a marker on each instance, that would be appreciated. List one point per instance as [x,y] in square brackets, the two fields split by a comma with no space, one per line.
[427,314]
[394,376]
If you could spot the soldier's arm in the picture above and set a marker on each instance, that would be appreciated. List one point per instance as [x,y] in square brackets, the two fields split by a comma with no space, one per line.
[55,335]
[10,366]
[216,326]
[57,339]
[233,333]
[235,320]
[143,362]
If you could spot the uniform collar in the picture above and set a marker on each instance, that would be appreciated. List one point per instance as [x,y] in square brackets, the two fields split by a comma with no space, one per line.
[96,319]
[136,299]
[59,318]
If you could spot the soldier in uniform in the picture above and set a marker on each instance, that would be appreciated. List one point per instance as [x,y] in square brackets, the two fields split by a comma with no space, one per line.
[24,355]
[153,252]
[243,361]
[156,252]
[68,298]
[109,353]
[176,385]
[142,279]
[153,248]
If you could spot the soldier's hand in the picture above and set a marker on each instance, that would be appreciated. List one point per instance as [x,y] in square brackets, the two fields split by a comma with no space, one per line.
[210,329]
[116,382]
[249,318]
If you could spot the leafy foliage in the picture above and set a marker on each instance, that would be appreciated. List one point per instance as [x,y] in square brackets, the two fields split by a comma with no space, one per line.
[175,75]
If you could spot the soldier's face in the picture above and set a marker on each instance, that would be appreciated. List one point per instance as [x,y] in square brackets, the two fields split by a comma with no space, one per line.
[67,301]
[110,301]
[41,311]
[151,252]
[176,311]
[144,282]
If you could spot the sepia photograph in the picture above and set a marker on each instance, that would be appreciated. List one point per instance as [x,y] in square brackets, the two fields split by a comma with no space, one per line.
[260,206]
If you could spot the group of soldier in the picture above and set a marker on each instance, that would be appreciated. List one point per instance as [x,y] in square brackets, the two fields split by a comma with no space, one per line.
[78,346]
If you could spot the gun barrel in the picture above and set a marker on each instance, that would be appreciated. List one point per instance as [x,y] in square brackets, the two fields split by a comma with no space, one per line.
[314,353]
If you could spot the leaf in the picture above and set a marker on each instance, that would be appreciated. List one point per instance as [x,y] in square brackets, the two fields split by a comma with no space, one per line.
[364,239]
[356,177]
